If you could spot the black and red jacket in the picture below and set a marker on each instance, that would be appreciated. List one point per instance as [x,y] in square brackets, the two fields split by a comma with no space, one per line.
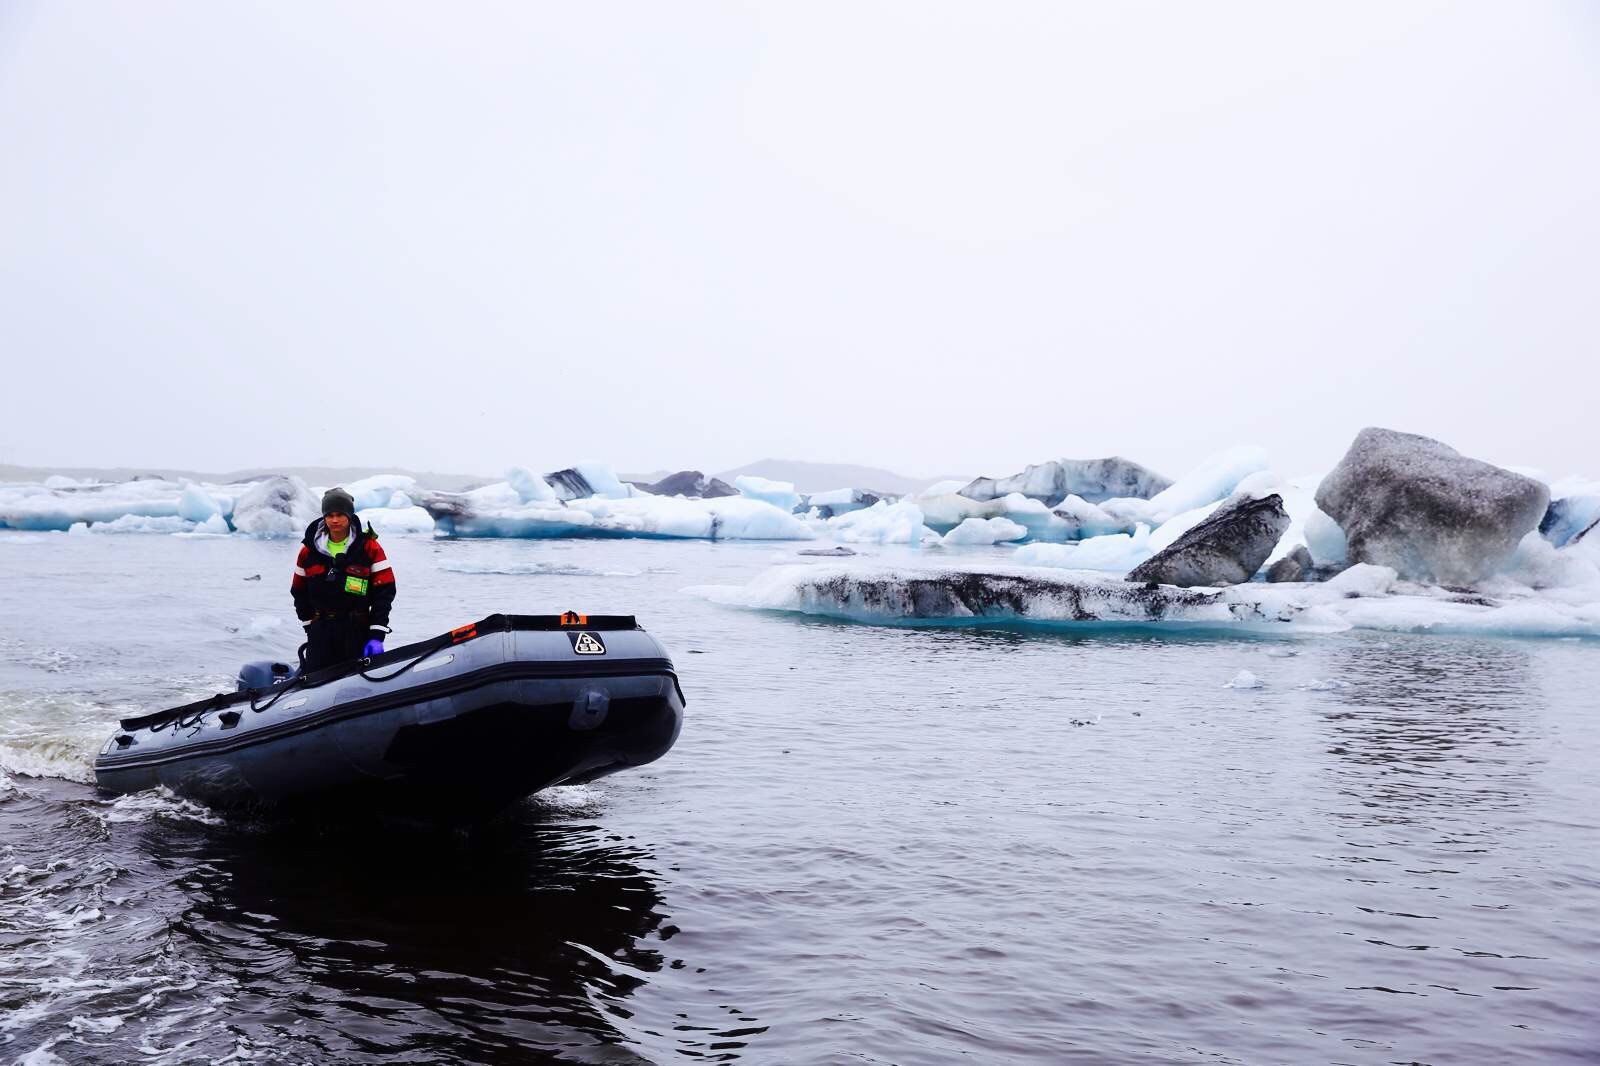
[358,583]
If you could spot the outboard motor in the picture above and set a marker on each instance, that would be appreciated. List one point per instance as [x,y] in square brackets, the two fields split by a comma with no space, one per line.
[263,674]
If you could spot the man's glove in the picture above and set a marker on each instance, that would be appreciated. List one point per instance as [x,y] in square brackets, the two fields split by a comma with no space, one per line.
[374,647]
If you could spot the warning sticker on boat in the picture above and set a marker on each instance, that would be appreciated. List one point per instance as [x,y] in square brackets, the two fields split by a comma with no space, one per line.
[586,644]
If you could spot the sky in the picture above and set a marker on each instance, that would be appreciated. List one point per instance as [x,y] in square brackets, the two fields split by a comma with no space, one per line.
[939,238]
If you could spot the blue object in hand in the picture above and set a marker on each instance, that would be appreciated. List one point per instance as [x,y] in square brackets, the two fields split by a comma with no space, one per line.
[374,647]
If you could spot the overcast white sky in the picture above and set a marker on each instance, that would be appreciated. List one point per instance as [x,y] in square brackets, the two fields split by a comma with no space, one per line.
[938,238]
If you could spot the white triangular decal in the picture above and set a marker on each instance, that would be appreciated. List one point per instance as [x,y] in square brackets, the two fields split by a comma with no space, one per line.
[588,644]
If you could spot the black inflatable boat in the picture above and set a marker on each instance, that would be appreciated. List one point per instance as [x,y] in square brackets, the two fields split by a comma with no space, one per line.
[453,728]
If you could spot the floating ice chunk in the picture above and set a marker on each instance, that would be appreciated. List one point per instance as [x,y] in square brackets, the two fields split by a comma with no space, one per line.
[1213,480]
[1072,519]
[1083,519]
[529,487]
[497,511]
[60,481]
[379,490]
[1090,479]
[133,523]
[397,520]
[985,531]
[1539,564]
[603,480]
[943,488]
[196,505]
[1115,552]
[1570,517]
[1325,540]
[78,529]
[944,512]
[836,502]
[780,494]
[215,526]
[38,508]
[1245,679]
[882,523]
[1362,579]
[1331,684]
[277,507]
[586,479]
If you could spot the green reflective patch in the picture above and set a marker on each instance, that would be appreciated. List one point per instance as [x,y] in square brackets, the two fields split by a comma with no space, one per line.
[357,585]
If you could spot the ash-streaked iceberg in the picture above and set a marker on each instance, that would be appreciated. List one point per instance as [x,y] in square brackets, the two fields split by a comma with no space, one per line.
[1363,597]
[1094,480]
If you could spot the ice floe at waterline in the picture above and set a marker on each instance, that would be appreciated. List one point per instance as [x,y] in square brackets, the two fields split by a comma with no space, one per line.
[1363,597]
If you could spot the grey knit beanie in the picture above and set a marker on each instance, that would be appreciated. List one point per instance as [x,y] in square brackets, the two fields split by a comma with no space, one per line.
[338,501]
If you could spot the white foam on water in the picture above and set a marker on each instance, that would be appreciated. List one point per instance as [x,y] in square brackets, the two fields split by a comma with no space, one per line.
[568,798]
[154,804]
[59,757]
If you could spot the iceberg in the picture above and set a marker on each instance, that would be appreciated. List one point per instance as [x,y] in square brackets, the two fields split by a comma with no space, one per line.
[277,507]
[38,508]
[882,523]
[584,480]
[500,511]
[133,523]
[690,483]
[1364,597]
[379,490]
[399,520]
[1422,507]
[836,502]
[985,531]
[1215,479]
[1071,519]
[1114,552]
[1571,517]
[1094,480]
[779,494]
[197,505]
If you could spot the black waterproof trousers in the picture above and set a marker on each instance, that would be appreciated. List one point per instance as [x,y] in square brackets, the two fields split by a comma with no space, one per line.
[335,639]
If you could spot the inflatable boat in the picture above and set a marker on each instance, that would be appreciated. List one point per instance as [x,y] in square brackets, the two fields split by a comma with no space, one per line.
[454,728]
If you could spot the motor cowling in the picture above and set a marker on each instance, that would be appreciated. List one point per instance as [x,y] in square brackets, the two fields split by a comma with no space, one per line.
[263,674]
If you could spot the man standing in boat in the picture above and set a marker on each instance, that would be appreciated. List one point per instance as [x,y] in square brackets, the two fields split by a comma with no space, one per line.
[343,586]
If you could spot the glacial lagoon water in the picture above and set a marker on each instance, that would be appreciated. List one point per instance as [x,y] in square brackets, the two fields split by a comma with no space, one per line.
[870,845]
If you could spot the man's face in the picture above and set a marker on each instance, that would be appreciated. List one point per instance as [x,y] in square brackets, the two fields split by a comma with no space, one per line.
[338,525]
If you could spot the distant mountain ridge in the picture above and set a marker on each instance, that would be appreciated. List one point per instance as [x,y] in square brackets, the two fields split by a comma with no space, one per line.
[820,477]
[312,475]
[806,476]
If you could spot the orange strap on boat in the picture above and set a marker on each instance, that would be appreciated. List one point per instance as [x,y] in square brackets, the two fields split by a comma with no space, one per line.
[573,618]
[466,632]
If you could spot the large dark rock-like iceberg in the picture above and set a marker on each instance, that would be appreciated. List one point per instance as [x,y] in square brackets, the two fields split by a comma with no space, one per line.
[692,484]
[1431,513]
[1225,548]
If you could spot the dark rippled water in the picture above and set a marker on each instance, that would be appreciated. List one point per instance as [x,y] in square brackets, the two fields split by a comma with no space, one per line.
[870,845]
